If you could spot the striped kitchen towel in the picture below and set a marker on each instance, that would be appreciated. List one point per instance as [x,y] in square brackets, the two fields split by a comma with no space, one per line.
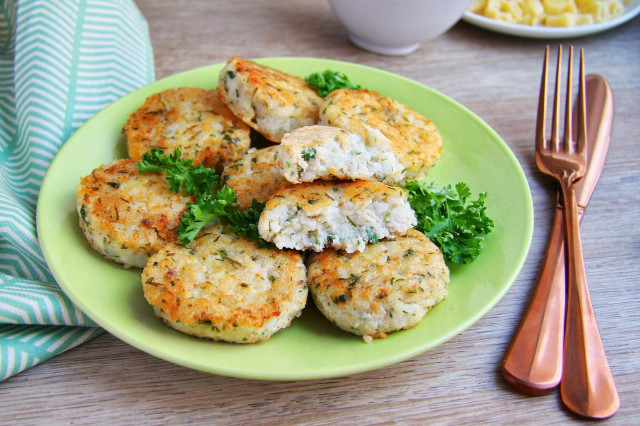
[60,63]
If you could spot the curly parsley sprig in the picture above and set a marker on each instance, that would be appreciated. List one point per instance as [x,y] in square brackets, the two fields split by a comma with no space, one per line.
[328,81]
[221,205]
[181,175]
[452,221]
[211,201]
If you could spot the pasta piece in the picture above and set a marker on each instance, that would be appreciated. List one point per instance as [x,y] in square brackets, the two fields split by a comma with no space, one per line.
[584,19]
[605,10]
[559,7]
[504,10]
[552,13]
[561,20]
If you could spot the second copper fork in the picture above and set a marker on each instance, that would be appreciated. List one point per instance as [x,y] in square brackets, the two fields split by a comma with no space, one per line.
[587,387]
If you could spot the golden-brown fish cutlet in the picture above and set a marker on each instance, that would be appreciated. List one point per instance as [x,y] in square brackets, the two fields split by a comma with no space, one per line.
[385,122]
[330,153]
[194,120]
[255,175]
[126,215]
[388,287]
[271,101]
[339,214]
[222,286]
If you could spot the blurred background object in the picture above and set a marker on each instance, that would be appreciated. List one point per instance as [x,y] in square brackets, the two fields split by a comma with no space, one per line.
[396,27]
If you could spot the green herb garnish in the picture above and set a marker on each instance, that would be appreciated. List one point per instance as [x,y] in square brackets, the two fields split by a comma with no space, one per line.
[211,201]
[181,175]
[328,81]
[309,154]
[220,205]
[373,237]
[458,227]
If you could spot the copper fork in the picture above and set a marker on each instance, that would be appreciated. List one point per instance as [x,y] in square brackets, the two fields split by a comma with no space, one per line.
[587,387]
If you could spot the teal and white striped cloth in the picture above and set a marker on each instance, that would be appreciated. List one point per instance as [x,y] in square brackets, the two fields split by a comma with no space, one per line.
[60,62]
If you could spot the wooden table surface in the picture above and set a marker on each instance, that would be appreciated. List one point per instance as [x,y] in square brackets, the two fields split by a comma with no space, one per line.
[496,76]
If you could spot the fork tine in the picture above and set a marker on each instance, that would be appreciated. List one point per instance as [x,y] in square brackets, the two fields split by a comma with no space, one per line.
[555,120]
[541,140]
[581,140]
[568,133]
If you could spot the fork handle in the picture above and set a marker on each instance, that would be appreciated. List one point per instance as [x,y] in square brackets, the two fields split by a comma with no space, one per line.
[532,362]
[587,386]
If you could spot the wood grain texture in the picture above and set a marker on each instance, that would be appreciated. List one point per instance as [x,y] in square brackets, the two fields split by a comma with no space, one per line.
[107,381]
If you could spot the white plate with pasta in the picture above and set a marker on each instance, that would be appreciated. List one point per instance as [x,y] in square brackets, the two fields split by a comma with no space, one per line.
[503,25]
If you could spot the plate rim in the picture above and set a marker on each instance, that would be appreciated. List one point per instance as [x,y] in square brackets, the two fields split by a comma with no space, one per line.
[540,32]
[335,371]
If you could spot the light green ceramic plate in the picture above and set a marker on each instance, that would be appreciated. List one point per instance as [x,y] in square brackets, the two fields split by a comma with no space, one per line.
[311,347]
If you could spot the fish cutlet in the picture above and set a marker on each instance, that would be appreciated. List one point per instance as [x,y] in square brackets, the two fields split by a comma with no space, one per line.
[222,286]
[255,175]
[345,215]
[271,101]
[389,286]
[126,215]
[194,120]
[330,153]
[385,123]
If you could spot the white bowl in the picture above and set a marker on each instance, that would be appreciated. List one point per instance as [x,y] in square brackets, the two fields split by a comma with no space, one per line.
[396,27]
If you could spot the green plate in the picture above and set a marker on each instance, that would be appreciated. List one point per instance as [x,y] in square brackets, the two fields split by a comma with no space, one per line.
[311,348]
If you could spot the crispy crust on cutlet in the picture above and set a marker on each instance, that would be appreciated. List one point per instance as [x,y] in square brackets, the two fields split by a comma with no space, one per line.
[389,286]
[271,101]
[127,216]
[225,287]
[414,139]
[194,120]
[254,175]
